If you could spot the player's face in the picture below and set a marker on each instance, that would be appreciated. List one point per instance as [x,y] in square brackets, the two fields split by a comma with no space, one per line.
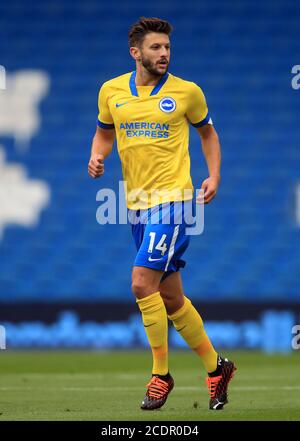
[155,53]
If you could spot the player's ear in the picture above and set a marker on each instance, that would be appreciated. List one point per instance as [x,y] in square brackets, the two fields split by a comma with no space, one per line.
[135,53]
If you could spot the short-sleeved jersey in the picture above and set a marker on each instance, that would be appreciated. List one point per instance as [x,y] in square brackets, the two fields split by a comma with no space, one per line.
[152,131]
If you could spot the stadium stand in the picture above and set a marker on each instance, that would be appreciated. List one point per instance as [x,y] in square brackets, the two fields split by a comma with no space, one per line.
[242,57]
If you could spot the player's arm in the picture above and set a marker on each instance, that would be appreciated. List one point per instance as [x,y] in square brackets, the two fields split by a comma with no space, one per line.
[104,136]
[101,148]
[198,115]
[212,153]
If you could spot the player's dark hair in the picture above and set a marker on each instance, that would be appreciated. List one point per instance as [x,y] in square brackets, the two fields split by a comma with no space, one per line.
[145,25]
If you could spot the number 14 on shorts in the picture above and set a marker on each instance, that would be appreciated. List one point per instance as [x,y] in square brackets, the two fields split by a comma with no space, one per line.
[161,246]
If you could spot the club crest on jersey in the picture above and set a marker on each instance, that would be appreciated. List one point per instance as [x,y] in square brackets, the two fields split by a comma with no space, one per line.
[167,105]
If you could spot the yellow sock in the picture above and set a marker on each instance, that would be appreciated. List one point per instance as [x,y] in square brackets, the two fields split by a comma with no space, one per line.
[189,324]
[156,326]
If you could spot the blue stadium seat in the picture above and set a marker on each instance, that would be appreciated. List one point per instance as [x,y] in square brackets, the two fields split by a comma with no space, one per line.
[237,52]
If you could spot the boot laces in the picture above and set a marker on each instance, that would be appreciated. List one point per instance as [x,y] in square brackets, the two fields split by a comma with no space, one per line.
[212,384]
[157,388]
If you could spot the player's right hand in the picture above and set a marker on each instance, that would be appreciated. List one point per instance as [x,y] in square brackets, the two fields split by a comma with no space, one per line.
[96,166]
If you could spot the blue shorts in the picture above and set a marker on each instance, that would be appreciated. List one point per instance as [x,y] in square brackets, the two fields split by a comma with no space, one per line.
[160,236]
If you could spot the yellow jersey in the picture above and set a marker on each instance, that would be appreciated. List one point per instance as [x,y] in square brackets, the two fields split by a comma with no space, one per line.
[152,131]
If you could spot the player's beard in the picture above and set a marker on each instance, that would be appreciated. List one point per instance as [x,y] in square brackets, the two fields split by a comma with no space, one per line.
[151,67]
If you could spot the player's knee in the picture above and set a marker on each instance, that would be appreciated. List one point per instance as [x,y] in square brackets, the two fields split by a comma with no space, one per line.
[142,287]
[139,288]
[165,295]
[172,303]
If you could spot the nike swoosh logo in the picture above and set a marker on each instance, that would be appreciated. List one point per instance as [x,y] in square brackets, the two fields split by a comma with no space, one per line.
[121,104]
[153,260]
[147,326]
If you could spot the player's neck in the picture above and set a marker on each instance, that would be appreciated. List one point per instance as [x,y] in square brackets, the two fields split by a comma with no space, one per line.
[145,78]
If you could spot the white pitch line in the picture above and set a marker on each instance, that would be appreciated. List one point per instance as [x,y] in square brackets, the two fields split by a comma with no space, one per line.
[131,377]
[126,388]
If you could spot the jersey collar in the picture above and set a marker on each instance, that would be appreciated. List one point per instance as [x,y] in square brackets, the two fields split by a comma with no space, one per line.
[156,88]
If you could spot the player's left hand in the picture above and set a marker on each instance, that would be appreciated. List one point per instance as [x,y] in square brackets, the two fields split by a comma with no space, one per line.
[210,188]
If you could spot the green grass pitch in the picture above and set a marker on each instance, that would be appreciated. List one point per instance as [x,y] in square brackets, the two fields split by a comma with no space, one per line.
[109,386]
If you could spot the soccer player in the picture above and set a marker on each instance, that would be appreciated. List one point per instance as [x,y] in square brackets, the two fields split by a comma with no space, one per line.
[149,111]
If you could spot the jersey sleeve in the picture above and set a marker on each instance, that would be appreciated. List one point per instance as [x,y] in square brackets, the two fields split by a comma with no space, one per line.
[105,119]
[197,111]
